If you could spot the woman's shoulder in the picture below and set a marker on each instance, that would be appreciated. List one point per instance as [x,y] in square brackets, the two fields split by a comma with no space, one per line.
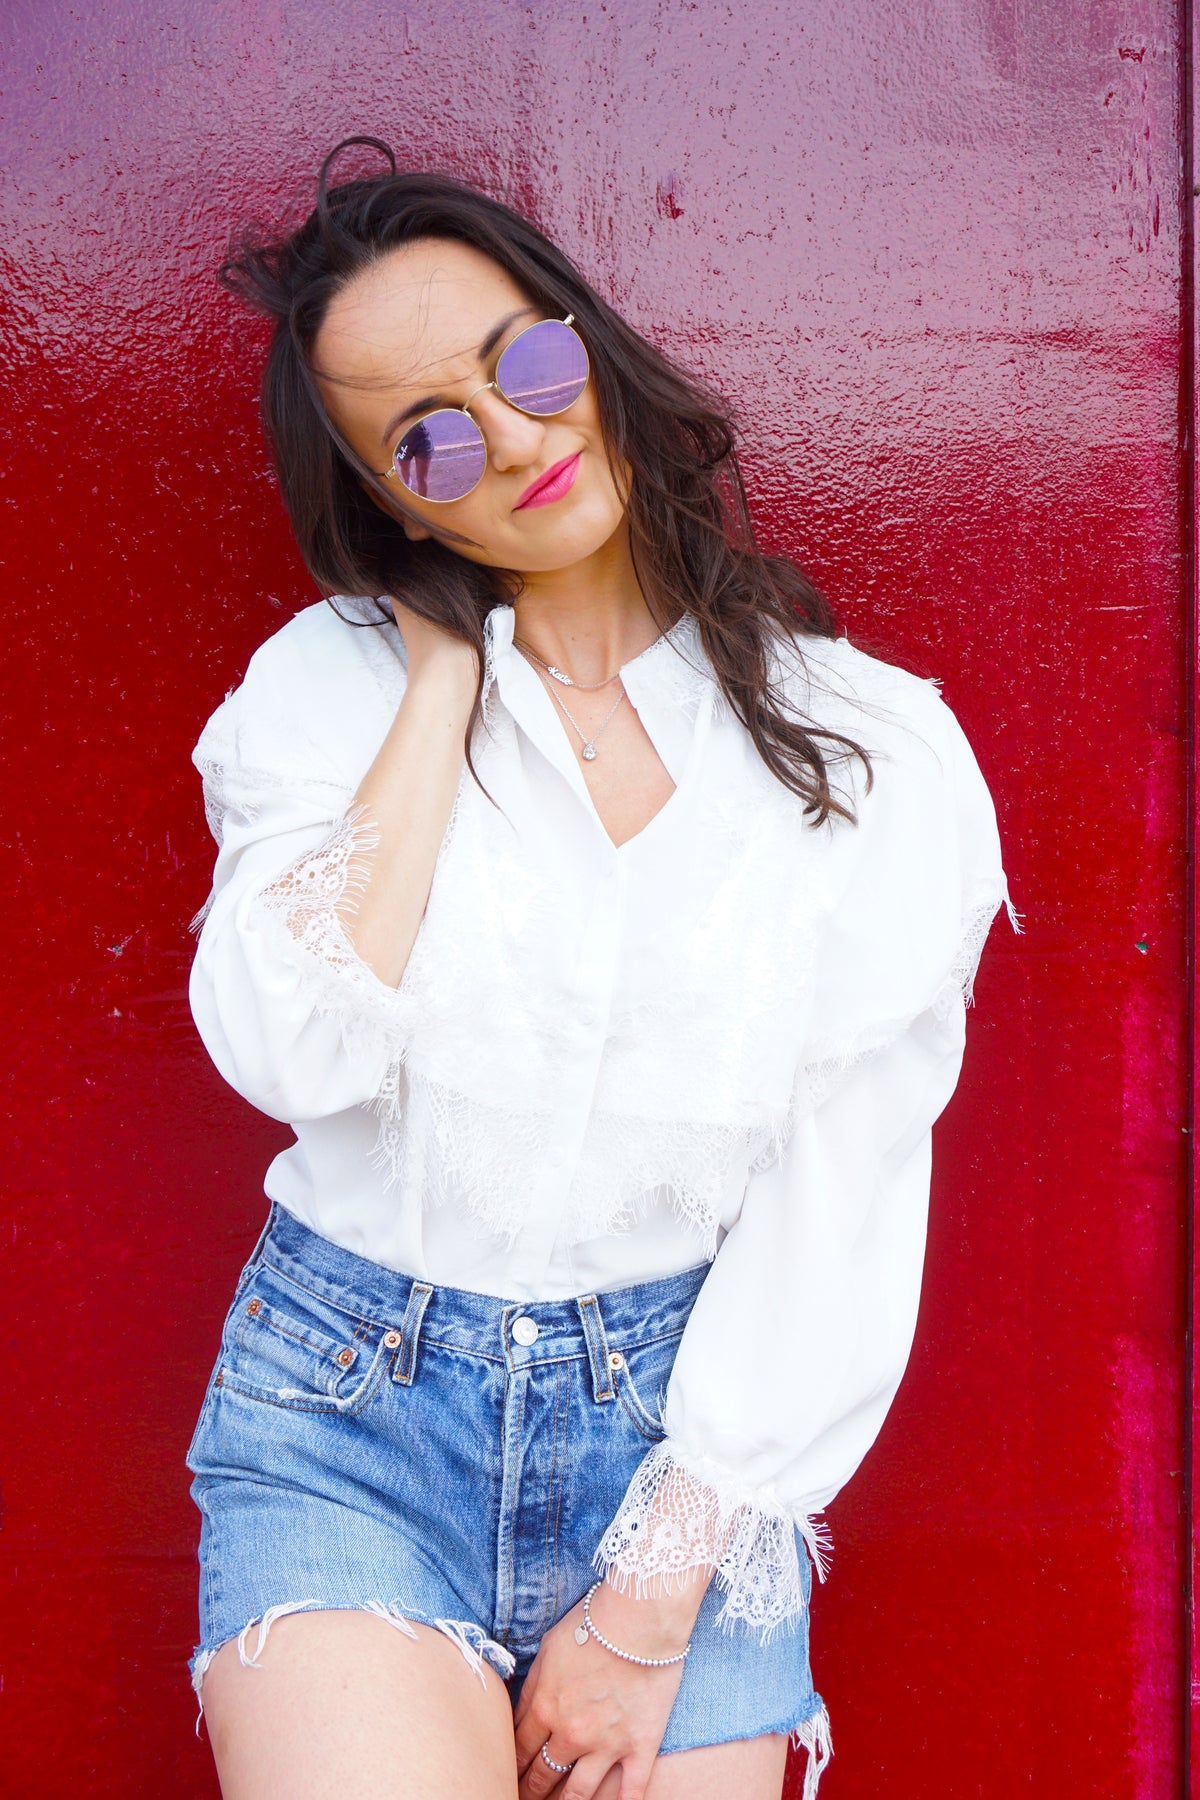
[841,687]
[331,640]
[318,694]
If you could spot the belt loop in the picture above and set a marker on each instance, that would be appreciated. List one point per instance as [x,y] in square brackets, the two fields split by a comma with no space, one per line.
[410,1333]
[250,1266]
[597,1346]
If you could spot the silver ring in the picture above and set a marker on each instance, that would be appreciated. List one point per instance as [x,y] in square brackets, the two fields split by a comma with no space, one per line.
[559,1768]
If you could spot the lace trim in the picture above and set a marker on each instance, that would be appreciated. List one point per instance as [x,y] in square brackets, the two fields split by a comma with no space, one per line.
[449,1146]
[679,1515]
[223,797]
[304,912]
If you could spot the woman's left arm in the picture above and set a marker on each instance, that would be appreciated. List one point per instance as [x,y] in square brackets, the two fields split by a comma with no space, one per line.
[790,1360]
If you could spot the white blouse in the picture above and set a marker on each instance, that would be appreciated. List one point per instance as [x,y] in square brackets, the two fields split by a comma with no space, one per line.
[726,1039]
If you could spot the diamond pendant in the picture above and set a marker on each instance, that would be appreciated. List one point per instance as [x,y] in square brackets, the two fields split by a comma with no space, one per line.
[581,1634]
[589,753]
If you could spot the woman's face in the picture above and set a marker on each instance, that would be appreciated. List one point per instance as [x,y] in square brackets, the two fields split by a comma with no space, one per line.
[424,327]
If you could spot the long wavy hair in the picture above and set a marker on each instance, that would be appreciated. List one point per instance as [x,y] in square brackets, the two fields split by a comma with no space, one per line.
[691,535]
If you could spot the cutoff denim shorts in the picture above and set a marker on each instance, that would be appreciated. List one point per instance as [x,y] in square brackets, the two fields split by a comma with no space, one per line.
[435,1456]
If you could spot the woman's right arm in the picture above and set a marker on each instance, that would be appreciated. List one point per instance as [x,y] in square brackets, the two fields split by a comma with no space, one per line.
[406,796]
[320,887]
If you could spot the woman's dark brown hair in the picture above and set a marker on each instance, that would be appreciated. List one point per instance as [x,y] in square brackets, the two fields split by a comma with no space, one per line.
[691,536]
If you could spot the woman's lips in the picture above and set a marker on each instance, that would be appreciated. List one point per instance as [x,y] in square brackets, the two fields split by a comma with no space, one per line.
[556,482]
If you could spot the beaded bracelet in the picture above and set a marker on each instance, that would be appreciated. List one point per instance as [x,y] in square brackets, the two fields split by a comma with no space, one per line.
[588,1629]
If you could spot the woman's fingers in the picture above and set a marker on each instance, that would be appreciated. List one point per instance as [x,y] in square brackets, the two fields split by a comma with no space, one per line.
[540,1779]
[528,1692]
[635,1777]
[585,1779]
[581,1782]
[531,1732]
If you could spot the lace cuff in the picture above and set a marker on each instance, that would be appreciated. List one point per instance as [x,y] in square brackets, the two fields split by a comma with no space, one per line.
[302,913]
[677,1516]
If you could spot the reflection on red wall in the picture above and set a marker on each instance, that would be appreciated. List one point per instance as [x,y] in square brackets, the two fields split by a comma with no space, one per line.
[932,251]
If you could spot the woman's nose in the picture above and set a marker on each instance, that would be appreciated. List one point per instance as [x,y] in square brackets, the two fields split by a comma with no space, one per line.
[514,439]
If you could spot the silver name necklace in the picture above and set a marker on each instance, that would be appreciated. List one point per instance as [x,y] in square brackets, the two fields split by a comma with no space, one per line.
[585,687]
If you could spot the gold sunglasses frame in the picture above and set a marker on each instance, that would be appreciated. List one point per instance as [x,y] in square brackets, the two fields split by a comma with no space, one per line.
[386,474]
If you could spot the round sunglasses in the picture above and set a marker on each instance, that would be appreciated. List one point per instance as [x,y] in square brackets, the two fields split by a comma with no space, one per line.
[442,455]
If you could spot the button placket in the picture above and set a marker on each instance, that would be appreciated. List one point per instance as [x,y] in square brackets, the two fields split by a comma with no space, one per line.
[534,1249]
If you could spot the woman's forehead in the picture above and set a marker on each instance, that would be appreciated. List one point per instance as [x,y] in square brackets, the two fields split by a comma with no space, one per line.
[416,316]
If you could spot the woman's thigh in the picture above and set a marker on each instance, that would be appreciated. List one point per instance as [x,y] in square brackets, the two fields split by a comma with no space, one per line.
[752,1769]
[345,1704]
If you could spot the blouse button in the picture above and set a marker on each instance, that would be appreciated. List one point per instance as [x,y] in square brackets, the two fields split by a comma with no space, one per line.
[525,1331]
[554,1160]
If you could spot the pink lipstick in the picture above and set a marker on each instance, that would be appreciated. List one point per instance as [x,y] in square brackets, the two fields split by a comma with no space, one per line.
[557,481]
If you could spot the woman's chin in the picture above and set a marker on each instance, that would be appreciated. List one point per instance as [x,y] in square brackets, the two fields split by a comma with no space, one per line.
[569,539]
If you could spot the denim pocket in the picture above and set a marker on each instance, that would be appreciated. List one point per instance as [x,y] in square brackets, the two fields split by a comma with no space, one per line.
[641,1383]
[287,1347]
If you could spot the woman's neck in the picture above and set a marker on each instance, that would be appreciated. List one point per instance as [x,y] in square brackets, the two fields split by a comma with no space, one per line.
[588,619]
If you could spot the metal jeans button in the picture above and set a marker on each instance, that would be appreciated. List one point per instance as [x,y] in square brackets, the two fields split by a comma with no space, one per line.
[525,1331]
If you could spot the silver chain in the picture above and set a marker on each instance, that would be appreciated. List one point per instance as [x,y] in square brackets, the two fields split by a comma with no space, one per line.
[585,687]
[589,751]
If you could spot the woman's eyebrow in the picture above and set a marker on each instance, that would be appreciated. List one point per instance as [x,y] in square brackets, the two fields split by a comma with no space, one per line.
[430,402]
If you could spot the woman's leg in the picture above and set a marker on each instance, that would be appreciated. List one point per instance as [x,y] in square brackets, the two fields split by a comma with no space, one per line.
[341,1703]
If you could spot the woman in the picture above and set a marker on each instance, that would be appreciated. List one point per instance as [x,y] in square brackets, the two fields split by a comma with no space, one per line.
[602,926]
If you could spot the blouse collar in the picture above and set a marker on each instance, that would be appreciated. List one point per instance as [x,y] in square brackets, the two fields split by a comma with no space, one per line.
[674,663]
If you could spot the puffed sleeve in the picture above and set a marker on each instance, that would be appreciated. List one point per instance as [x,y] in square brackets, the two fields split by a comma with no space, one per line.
[291,1016]
[797,1342]
[801,1333]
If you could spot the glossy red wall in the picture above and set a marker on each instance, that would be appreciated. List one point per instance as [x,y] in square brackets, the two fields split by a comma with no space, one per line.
[931,249]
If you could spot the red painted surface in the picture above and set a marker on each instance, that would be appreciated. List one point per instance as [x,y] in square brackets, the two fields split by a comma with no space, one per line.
[933,251]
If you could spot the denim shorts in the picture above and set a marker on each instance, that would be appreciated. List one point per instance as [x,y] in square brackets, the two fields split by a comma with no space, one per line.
[371,1441]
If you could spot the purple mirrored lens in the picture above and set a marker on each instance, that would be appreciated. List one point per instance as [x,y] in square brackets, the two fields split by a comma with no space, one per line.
[442,456]
[544,370]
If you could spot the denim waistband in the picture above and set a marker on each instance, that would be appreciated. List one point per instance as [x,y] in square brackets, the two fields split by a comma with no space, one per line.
[594,1326]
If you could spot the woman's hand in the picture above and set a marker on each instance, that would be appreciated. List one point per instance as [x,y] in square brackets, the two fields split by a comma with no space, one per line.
[430,646]
[593,1709]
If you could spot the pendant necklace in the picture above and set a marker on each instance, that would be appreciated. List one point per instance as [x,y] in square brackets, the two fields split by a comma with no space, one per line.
[589,752]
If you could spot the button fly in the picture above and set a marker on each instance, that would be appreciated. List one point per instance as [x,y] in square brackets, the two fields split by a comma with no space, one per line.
[525,1331]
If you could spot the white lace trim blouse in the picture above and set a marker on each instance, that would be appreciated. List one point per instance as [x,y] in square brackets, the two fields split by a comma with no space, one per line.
[725,1040]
